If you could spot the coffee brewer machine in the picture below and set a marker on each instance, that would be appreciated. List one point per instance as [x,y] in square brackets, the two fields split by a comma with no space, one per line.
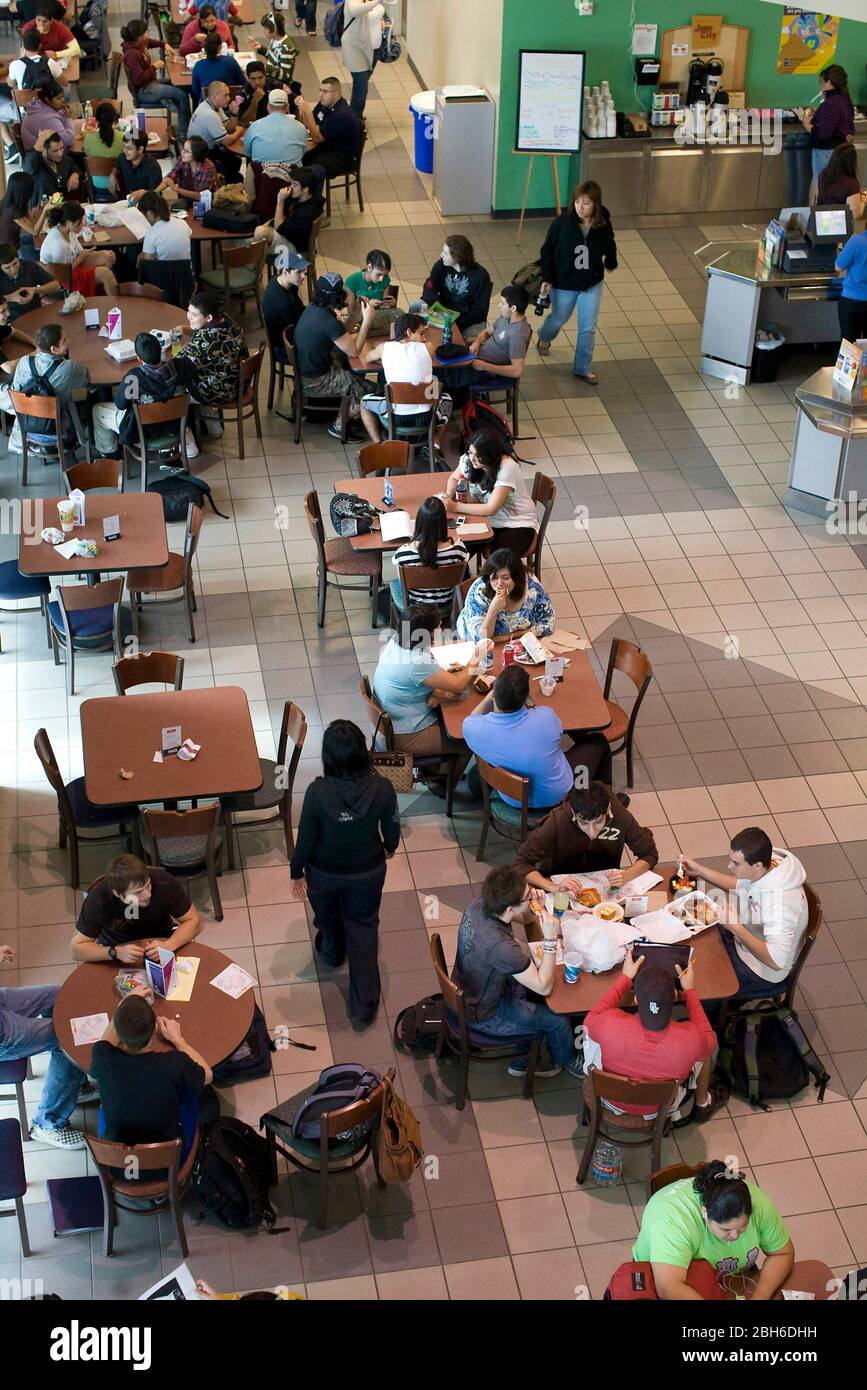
[703,82]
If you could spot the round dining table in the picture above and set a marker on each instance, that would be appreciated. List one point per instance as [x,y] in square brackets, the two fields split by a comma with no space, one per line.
[86,347]
[211,1022]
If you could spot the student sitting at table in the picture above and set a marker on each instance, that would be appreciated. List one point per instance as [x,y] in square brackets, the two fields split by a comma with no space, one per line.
[208,364]
[147,1097]
[432,545]
[407,360]
[299,205]
[410,686]
[135,171]
[51,362]
[282,305]
[324,346]
[335,131]
[217,129]
[64,245]
[373,282]
[154,380]
[649,1045]
[200,26]
[20,219]
[254,97]
[168,238]
[765,937]
[52,170]
[458,282]
[500,350]
[24,284]
[55,38]
[142,74]
[499,978]
[587,833]
[26,1029]
[276,137]
[504,732]
[131,912]
[193,172]
[718,1217]
[497,492]
[33,69]
[214,67]
[106,142]
[505,600]
[47,111]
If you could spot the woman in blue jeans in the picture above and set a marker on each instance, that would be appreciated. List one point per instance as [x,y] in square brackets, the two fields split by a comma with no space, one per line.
[577,251]
[26,1029]
[349,827]
[142,74]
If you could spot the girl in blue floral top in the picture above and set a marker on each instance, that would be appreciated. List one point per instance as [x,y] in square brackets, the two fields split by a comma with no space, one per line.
[505,599]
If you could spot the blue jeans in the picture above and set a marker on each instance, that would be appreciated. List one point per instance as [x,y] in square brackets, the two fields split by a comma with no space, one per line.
[25,1029]
[346,918]
[360,84]
[819,161]
[164,94]
[306,10]
[587,303]
[516,1013]
[750,985]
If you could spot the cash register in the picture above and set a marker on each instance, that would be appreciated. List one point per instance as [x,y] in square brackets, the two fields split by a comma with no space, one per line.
[816,248]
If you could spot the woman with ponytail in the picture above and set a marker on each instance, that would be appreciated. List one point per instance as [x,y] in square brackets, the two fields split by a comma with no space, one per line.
[106,142]
[833,120]
[718,1217]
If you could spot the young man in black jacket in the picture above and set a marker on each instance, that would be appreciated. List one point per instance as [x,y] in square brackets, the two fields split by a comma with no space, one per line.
[457,282]
[577,251]
[154,380]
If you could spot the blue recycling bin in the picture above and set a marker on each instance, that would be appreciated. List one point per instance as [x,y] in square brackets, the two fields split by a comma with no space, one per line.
[422,108]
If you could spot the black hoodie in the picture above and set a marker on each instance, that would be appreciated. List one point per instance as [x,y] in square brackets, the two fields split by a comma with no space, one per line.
[346,826]
[468,289]
[562,267]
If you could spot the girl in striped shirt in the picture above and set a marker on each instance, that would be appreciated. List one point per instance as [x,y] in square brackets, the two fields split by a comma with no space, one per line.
[431,546]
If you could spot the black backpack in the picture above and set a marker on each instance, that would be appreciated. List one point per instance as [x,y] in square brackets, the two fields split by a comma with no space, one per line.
[338,1086]
[252,1059]
[766,1055]
[417,1027]
[36,73]
[351,515]
[179,490]
[226,220]
[232,1174]
[478,415]
[40,385]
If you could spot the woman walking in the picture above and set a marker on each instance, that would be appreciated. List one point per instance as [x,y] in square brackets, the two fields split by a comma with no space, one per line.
[576,253]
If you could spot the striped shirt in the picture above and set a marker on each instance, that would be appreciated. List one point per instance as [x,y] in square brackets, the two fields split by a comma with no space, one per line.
[449,553]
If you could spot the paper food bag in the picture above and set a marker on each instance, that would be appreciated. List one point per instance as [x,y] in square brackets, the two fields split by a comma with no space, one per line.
[78,499]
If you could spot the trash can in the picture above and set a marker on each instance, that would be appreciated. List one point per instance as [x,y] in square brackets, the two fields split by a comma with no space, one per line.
[422,108]
[766,355]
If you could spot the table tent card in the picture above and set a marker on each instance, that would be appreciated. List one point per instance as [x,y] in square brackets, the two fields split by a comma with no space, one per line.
[161,972]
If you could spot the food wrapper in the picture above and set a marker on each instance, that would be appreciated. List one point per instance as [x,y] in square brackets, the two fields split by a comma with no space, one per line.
[86,550]
[126,981]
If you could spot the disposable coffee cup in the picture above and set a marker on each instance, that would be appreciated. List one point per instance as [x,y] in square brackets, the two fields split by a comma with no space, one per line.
[572,964]
[66,511]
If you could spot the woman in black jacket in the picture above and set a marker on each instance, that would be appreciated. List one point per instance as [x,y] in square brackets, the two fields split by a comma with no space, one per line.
[578,249]
[349,826]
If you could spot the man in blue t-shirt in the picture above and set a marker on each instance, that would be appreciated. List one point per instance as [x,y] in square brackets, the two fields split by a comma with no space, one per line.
[214,68]
[852,304]
[503,731]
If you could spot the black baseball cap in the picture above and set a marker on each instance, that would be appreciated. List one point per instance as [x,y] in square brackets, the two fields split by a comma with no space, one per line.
[654,995]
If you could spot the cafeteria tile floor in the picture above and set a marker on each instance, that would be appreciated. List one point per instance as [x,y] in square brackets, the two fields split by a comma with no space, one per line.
[755,621]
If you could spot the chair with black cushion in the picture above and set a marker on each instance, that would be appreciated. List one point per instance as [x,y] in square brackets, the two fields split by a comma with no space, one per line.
[632,662]
[245,406]
[347,1138]
[14,1074]
[305,400]
[162,437]
[99,473]
[336,556]
[512,822]
[87,618]
[417,430]
[174,278]
[239,276]
[465,1042]
[350,179]
[391,456]
[188,844]
[130,289]
[76,813]
[16,587]
[45,443]
[275,793]
[383,737]
[619,1090]
[13,1179]
[148,668]
[114,1161]
[544,492]
[177,574]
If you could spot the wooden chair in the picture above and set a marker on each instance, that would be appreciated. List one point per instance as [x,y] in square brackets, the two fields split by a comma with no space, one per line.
[52,448]
[99,473]
[275,793]
[111,1158]
[102,167]
[239,276]
[311,252]
[464,1041]
[673,1173]
[350,179]
[162,436]
[333,1153]
[632,662]
[651,1095]
[382,727]
[131,289]
[177,574]
[336,556]
[544,492]
[418,429]
[246,404]
[188,844]
[786,997]
[174,278]
[512,822]
[116,65]
[148,668]
[303,399]
[279,362]
[418,578]
[76,813]
[391,456]
[85,618]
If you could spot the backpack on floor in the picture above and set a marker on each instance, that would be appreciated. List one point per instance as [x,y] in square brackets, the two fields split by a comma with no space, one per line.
[633,1282]
[252,1059]
[766,1055]
[399,1148]
[232,1174]
[338,1086]
[351,515]
[417,1027]
[478,415]
[335,25]
[179,490]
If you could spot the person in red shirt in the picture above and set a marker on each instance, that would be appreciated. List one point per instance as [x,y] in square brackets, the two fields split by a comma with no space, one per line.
[649,1046]
[198,29]
[55,39]
[142,74]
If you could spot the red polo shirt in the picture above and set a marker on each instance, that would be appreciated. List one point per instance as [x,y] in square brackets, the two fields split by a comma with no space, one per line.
[56,38]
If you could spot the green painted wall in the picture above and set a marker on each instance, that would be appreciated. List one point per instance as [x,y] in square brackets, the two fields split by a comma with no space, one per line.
[606,38]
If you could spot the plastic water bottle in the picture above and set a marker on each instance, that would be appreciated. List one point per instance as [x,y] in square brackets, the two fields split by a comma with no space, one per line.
[447,333]
[606,1165]
[388,493]
[88,110]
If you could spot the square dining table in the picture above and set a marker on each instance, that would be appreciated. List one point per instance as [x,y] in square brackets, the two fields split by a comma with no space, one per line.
[577,700]
[410,490]
[142,544]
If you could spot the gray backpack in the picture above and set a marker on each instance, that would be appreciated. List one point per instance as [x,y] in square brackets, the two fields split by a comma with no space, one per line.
[338,1086]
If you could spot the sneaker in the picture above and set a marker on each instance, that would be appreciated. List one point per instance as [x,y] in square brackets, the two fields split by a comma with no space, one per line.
[518,1067]
[88,1093]
[590,377]
[63,1138]
[335,431]
[542,346]
[576,1069]
[717,1097]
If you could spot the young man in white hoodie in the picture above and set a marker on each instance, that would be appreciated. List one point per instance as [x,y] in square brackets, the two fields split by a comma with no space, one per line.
[764,941]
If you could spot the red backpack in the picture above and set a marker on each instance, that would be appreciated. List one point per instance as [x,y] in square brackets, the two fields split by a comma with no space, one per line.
[634,1281]
[478,415]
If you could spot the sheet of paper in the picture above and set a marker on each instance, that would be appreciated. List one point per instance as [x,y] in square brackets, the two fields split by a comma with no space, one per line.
[233,981]
[133,220]
[644,40]
[561,641]
[453,653]
[186,970]
[637,887]
[394,525]
[67,550]
[471,528]
[177,1287]
[89,1028]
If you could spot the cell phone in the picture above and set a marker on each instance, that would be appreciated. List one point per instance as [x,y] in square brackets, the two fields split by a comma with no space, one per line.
[530,703]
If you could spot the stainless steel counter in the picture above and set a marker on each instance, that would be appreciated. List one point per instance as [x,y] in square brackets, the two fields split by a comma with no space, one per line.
[829,449]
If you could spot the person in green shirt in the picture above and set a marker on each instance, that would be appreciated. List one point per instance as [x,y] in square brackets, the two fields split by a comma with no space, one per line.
[716,1217]
[105,142]
[372,283]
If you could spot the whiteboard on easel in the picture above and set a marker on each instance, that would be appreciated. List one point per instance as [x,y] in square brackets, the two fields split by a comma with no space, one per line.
[550,101]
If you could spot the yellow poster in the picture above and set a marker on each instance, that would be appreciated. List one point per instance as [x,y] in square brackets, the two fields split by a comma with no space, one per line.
[808,41]
[706,31]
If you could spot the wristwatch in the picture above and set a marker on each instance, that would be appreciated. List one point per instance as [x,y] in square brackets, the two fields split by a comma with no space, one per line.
[112,953]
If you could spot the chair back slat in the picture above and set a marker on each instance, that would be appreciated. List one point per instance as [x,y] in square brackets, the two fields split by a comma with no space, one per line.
[133,290]
[506,783]
[673,1173]
[418,578]
[88,476]
[108,1153]
[379,720]
[75,598]
[651,1095]
[453,995]
[148,668]
[337,1121]
[392,455]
